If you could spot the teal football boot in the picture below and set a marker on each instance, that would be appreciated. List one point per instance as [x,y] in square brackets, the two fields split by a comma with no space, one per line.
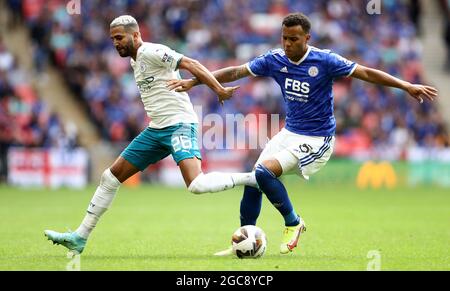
[71,240]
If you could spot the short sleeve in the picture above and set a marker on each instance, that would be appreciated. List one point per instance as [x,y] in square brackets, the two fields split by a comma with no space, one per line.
[164,57]
[339,66]
[259,66]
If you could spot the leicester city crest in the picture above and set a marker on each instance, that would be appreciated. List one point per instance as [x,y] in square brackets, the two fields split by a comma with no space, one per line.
[313,71]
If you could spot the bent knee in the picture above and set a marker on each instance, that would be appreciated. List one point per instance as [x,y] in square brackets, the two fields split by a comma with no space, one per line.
[273,165]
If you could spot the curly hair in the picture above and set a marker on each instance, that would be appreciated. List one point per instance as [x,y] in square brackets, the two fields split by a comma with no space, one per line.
[298,19]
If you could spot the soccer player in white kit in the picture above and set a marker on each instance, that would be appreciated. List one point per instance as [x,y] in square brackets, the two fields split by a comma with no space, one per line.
[172,130]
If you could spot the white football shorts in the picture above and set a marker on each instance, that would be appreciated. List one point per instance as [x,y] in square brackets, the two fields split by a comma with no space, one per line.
[298,154]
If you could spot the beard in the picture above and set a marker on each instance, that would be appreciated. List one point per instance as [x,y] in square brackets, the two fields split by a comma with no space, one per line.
[125,51]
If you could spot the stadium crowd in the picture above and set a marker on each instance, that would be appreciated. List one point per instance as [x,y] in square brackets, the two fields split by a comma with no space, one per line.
[25,120]
[220,33]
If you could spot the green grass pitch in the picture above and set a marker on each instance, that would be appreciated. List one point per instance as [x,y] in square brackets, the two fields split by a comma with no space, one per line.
[160,228]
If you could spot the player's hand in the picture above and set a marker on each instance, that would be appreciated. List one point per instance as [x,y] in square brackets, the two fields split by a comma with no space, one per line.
[180,85]
[419,92]
[226,93]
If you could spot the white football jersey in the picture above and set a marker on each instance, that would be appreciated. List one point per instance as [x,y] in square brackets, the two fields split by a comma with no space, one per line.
[156,64]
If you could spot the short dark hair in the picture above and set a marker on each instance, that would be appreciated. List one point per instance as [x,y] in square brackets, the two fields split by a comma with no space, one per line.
[301,19]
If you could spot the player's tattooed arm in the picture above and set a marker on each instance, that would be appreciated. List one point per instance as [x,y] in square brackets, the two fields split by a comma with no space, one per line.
[417,91]
[230,74]
[225,75]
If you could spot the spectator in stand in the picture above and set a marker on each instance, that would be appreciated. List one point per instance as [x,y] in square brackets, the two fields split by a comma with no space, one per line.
[80,46]
[25,120]
[415,11]
[446,10]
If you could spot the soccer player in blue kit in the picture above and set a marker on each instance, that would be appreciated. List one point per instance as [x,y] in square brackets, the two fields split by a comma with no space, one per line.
[305,75]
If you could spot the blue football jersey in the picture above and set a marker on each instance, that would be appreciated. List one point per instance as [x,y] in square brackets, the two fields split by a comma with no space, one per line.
[306,86]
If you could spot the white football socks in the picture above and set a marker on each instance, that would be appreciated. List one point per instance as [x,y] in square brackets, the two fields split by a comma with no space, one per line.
[217,181]
[203,183]
[103,197]
[87,225]
[247,179]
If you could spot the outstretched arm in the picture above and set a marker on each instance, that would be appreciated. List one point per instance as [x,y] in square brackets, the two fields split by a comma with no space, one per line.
[228,74]
[205,76]
[225,75]
[417,91]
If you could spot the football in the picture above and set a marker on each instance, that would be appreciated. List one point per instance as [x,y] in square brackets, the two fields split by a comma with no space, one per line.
[249,242]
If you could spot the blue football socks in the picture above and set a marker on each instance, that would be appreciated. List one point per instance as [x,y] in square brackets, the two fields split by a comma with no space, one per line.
[250,205]
[277,194]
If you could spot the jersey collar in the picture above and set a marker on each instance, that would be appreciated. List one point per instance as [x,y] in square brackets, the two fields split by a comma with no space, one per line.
[139,51]
[302,59]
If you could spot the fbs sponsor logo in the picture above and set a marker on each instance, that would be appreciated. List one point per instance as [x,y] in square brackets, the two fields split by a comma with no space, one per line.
[296,86]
